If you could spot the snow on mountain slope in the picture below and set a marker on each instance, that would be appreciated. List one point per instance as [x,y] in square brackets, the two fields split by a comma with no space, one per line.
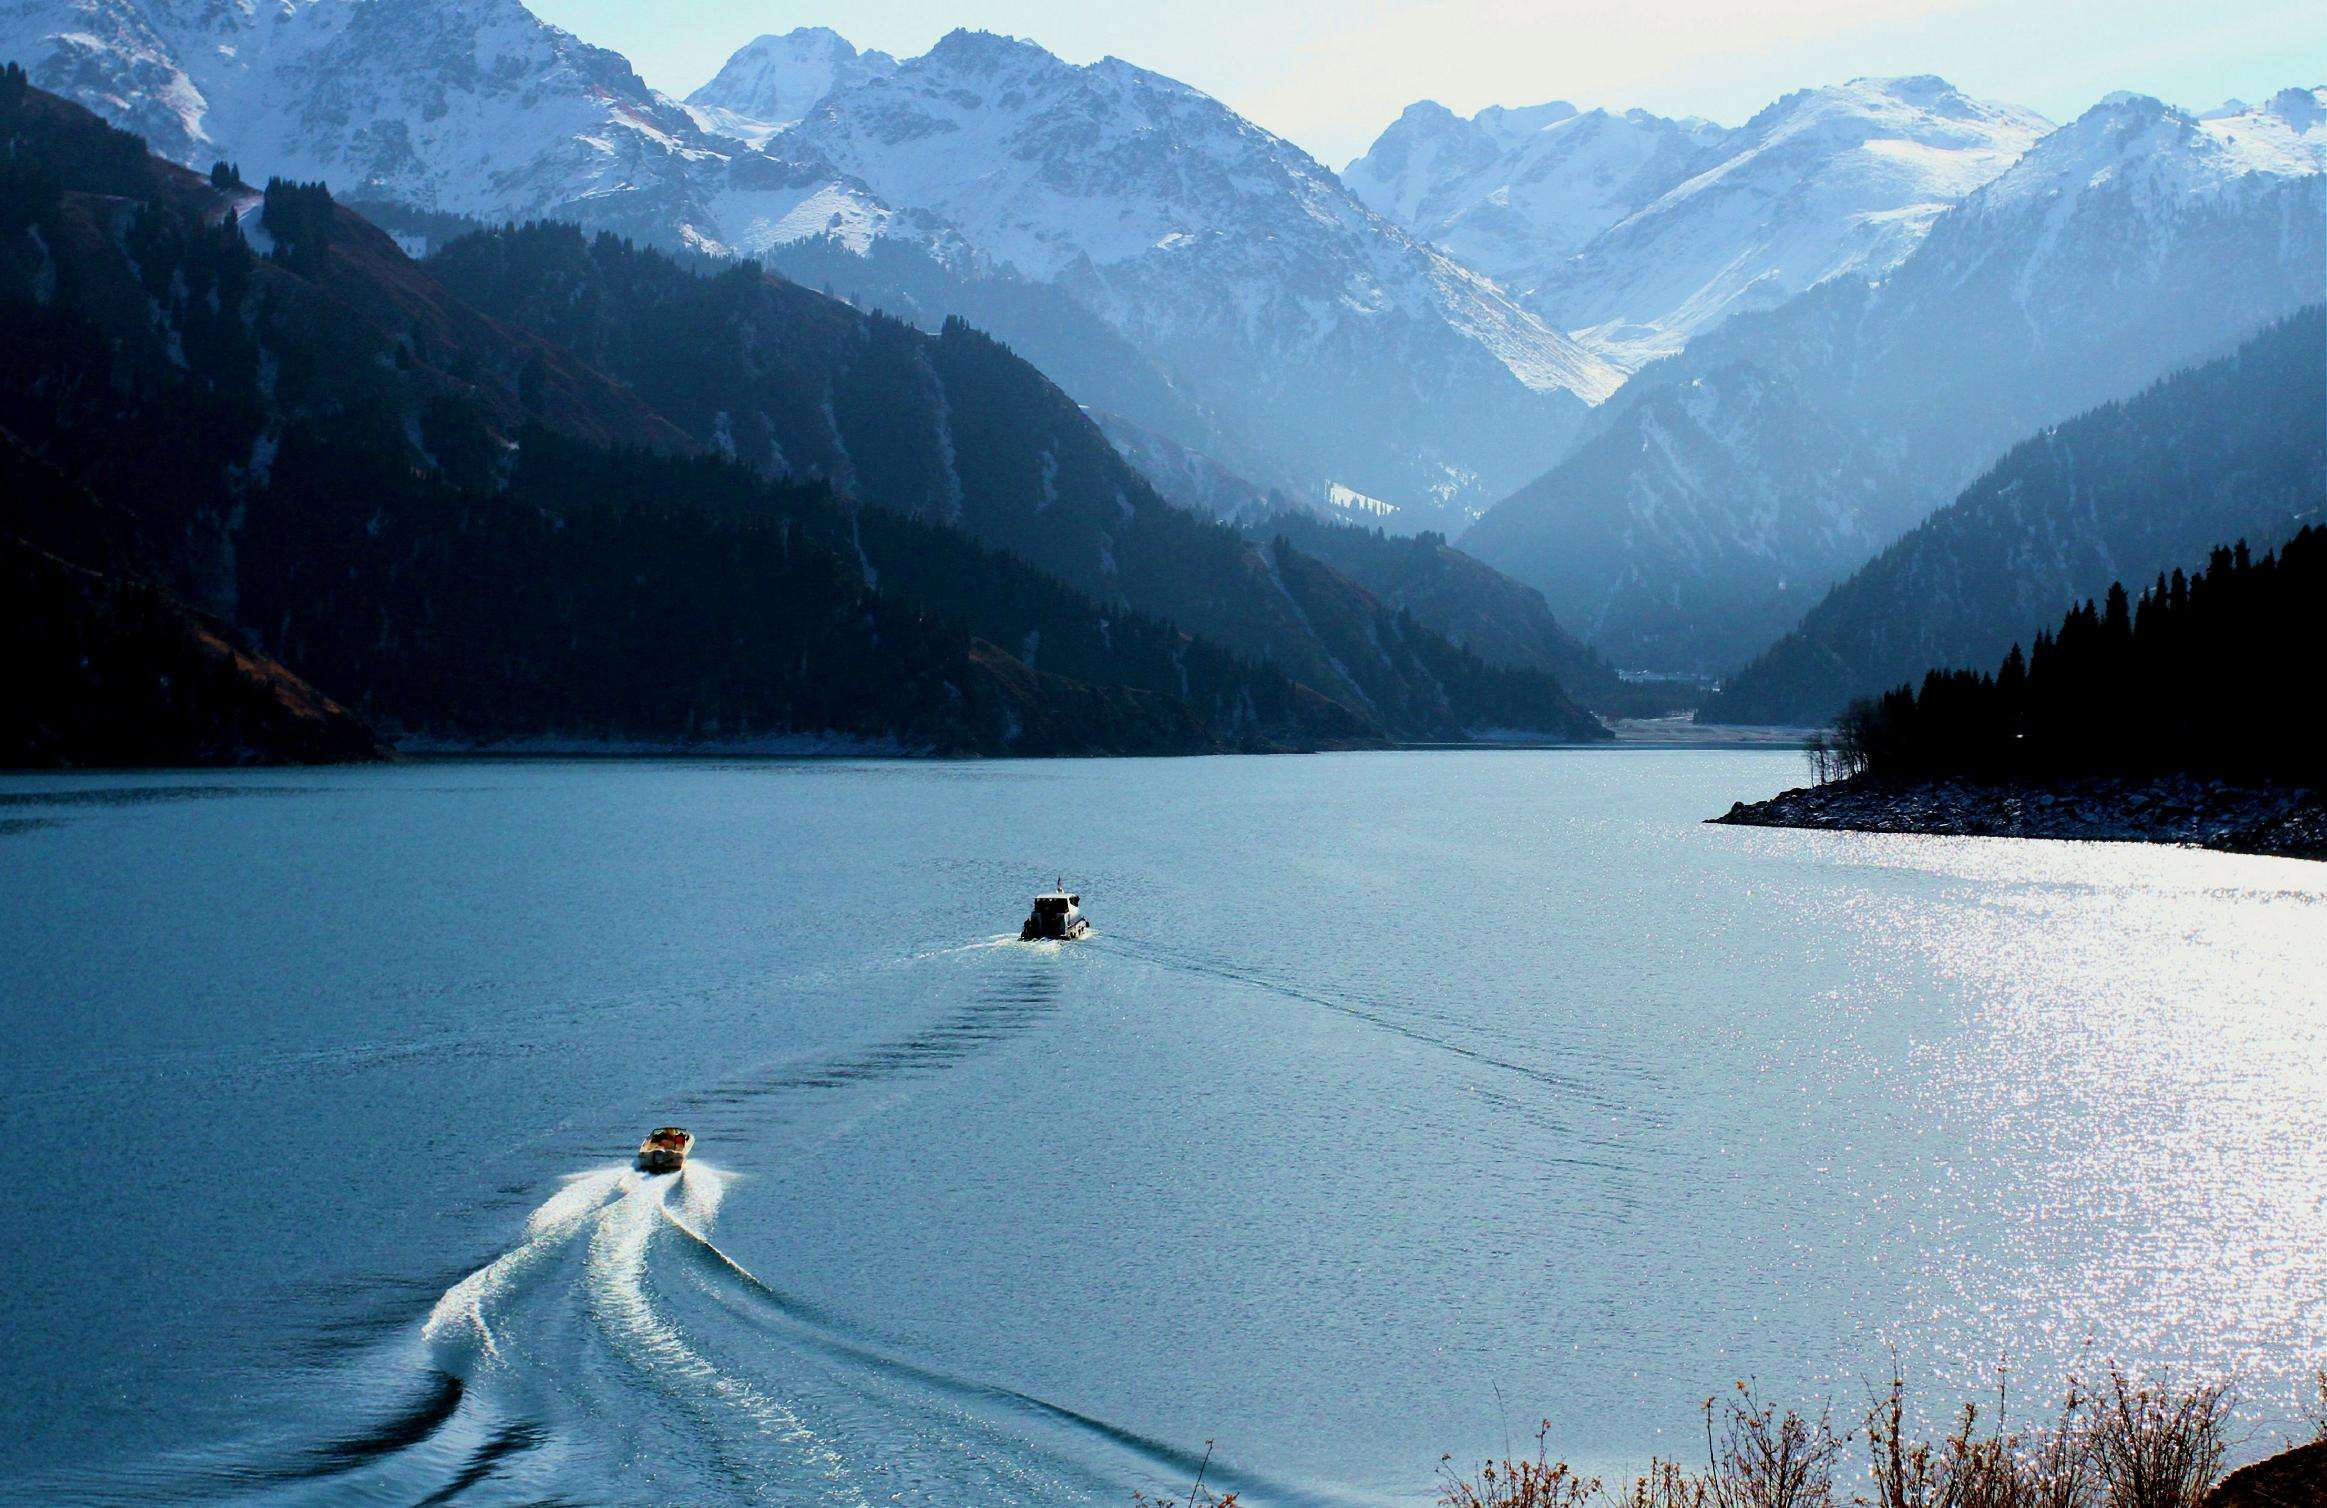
[1428,157]
[771,82]
[2134,238]
[1057,169]
[1349,500]
[1634,233]
[1516,193]
[2133,241]
[1844,179]
[2286,135]
[1343,346]
[476,108]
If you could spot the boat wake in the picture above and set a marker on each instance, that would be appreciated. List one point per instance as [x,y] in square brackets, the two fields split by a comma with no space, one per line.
[616,1351]
[1439,1031]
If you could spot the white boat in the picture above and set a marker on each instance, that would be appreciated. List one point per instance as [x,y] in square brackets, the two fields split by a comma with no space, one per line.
[1057,917]
[665,1149]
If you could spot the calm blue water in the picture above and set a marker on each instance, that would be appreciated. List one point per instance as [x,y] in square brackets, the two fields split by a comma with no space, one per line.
[1399,1101]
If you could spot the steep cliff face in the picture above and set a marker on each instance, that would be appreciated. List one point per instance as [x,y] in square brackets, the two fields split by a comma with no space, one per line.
[772,81]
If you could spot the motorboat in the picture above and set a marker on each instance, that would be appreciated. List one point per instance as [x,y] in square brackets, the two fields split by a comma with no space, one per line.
[665,1149]
[1057,917]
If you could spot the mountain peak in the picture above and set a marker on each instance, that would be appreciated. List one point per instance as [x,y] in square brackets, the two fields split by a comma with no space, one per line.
[2299,107]
[1518,120]
[1910,86]
[1912,103]
[986,50]
[773,80]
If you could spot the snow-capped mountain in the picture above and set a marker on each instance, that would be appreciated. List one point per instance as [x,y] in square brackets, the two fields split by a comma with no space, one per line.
[1422,169]
[471,107]
[2133,241]
[477,108]
[1635,233]
[1339,344]
[773,81]
[1517,193]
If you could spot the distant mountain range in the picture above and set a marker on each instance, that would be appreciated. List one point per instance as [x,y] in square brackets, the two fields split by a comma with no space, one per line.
[1729,486]
[1321,342]
[608,515]
[2233,450]
[1635,233]
[1676,378]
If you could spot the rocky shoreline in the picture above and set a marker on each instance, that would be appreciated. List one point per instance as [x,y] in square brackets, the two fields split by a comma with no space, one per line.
[2171,809]
[2295,1478]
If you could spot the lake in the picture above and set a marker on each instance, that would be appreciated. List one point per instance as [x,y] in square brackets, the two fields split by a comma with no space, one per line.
[1398,1102]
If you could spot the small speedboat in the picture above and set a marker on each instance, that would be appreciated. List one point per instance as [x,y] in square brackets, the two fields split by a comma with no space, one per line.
[665,1151]
[1057,917]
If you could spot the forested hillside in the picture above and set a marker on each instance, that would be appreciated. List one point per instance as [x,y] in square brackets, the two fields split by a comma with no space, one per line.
[1502,621]
[469,532]
[465,533]
[2236,448]
[107,668]
[955,429]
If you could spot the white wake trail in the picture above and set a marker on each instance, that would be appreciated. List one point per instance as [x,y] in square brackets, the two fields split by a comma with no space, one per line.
[461,1320]
[616,1281]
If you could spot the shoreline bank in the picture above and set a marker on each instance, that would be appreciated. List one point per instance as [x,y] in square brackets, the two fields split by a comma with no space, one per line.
[2176,809]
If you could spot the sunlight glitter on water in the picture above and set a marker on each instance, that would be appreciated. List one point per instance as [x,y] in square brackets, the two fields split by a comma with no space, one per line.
[1397,1098]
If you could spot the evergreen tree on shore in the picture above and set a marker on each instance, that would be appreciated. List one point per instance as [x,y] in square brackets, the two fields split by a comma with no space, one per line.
[2211,674]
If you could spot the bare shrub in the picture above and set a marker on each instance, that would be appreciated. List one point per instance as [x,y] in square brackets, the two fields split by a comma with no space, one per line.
[1760,1457]
[1981,1465]
[2131,1444]
[1667,1485]
[2156,1445]
[1756,1456]
[1517,1482]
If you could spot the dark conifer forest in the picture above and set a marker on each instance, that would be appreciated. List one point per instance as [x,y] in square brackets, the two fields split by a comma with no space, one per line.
[2210,674]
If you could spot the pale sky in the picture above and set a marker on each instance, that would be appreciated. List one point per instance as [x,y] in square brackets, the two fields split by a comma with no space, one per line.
[1329,74]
